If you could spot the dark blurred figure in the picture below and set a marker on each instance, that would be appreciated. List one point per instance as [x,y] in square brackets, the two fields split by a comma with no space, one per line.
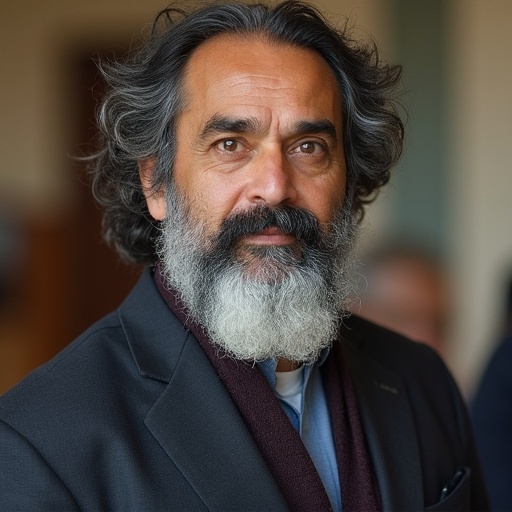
[13,253]
[406,290]
[492,418]
[10,245]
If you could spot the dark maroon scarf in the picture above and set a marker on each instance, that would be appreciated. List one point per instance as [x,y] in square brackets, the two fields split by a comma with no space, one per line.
[279,443]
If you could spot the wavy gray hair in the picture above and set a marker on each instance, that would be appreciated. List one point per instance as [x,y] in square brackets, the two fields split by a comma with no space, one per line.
[137,116]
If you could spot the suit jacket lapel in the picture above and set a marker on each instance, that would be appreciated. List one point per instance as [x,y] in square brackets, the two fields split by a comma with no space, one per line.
[389,428]
[199,427]
[194,419]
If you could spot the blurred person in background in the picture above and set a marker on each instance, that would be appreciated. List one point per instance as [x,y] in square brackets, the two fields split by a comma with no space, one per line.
[405,288]
[492,417]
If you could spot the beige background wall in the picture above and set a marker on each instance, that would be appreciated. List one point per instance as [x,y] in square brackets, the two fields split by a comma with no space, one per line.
[481,160]
[35,39]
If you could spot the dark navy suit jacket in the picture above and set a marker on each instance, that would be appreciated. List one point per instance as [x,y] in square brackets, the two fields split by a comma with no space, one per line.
[132,416]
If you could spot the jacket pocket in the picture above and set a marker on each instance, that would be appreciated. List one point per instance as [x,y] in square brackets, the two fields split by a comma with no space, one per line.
[455,496]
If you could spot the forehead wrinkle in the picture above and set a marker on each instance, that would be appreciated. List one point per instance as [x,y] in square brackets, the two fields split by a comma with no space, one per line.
[258,83]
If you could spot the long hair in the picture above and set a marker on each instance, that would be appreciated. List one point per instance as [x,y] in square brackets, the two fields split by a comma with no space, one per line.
[137,117]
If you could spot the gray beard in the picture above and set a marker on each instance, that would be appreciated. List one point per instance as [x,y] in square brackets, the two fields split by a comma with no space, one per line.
[279,309]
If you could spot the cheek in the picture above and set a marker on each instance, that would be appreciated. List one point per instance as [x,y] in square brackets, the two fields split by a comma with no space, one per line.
[211,201]
[325,199]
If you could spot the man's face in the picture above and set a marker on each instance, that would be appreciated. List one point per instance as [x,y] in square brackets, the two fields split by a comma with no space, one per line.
[261,126]
[256,238]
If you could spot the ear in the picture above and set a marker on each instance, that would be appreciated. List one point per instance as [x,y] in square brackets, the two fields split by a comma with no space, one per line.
[154,199]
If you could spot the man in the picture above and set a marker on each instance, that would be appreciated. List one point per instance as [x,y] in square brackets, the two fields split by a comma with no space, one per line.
[240,147]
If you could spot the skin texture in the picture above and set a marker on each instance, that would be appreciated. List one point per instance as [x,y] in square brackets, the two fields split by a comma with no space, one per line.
[262,125]
[247,134]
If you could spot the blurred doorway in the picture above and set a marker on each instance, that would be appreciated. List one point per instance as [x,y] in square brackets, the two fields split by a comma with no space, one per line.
[67,277]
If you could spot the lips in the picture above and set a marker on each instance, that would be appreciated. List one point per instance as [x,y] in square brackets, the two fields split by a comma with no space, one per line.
[269,236]
[263,226]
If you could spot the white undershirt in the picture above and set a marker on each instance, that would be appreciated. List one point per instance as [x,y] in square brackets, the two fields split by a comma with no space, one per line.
[289,387]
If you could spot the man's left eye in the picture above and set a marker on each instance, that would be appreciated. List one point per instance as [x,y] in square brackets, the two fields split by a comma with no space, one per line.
[310,147]
[307,147]
[229,145]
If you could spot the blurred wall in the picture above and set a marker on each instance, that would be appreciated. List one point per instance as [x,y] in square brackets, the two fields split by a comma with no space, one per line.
[36,39]
[454,181]
[480,151]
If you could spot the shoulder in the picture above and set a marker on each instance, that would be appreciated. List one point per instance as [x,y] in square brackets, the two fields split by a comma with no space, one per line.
[425,378]
[390,348]
[90,354]
[111,372]
[45,419]
[91,364]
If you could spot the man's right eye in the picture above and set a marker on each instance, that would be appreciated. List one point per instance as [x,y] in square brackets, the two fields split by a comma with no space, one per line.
[229,145]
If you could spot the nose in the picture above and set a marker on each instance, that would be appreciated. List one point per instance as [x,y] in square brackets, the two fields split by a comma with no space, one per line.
[271,180]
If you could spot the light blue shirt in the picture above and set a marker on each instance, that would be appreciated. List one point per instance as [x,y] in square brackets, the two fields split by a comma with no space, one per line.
[308,412]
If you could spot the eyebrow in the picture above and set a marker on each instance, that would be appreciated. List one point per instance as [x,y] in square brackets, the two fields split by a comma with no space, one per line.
[323,126]
[221,124]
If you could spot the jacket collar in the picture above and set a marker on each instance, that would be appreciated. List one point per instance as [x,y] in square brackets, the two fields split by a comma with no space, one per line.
[194,419]
[197,424]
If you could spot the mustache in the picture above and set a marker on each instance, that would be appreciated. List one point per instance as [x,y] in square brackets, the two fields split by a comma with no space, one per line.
[300,223]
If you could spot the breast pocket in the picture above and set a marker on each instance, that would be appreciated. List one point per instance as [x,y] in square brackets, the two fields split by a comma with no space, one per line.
[455,495]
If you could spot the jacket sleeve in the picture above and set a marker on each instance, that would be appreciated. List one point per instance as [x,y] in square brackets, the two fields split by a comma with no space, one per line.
[27,482]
